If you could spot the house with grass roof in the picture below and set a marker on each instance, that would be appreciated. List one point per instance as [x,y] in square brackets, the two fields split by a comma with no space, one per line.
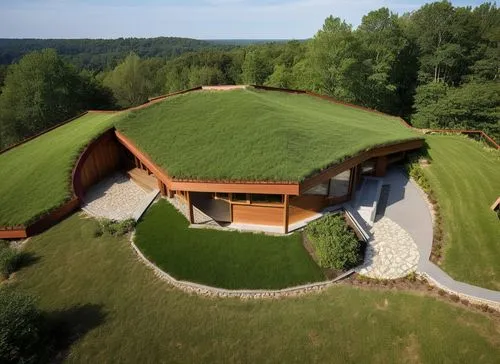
[234,156]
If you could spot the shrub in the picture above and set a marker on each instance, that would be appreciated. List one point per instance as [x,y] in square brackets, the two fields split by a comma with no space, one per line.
[335,244]
[10,259]
[116,228]
[21,329]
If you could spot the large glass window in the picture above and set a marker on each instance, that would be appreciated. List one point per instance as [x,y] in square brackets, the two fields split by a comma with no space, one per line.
[261,198]
[320,189]
[339,185]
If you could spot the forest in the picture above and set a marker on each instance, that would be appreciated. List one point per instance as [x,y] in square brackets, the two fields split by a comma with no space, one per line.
[437,67]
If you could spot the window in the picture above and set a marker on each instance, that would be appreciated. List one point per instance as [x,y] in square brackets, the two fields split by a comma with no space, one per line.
[321,189]
[261,198]
[222,196]
[240,197]
[339,185]
[368,167]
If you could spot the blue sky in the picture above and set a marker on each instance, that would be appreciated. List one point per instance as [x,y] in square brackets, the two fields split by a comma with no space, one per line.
[202,19]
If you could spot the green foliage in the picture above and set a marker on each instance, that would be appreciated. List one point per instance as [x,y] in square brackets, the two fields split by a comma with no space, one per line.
[40,91]
[128,82]
[473,105]
[116,228]
[334,54]
[9,260]
[335,244]
[21,329]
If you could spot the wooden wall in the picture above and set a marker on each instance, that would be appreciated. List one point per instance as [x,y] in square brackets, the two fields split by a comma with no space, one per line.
[261,215]
[100,158]
[302,207]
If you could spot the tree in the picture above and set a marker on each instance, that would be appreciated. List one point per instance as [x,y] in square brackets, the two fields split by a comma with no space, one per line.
[434,28]
[334,58]
[40,91]
[256,67]
[382,41]
[128,82]
[281,77]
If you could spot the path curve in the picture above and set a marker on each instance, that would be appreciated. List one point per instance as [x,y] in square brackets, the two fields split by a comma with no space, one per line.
[391,253]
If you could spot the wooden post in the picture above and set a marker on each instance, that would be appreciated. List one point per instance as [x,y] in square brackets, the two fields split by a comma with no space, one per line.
[285,214]
[162,187]
[170,193]
[190,208]
[381,166]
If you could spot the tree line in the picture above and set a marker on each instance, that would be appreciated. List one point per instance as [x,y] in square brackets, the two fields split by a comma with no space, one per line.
[437,67]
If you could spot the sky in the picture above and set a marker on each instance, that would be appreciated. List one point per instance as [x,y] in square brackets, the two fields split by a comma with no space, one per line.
[201,19]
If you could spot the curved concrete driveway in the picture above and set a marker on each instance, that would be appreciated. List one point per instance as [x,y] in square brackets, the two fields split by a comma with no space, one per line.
[406,206]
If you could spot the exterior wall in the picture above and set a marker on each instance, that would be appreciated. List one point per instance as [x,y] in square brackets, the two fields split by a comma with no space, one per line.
[302,207]
[98,160]
[248,214]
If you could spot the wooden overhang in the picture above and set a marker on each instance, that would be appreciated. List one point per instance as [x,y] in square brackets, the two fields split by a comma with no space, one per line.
[292,189]
[207,186]
[358,159]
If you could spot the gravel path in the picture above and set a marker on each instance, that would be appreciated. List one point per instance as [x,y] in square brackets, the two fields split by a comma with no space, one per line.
[116,198]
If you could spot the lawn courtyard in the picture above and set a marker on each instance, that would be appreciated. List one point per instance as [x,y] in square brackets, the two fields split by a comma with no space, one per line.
[466,179]
[124,314]
[222,258]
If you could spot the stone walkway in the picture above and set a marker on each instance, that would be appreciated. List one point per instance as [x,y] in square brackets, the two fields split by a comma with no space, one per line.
[115,198]
[391,253]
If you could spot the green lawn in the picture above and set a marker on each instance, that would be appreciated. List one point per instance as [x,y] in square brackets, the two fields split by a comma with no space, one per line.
[466,179]
[36,176]
[126,315]
[221,258]
[255,135]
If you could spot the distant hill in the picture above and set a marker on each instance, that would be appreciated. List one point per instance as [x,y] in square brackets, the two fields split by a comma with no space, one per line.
[244,42]
[102,53]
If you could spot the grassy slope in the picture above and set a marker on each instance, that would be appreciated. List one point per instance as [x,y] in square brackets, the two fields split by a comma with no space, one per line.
[35,177]
[254,135]
[220,258]
[147,321]
[466,179]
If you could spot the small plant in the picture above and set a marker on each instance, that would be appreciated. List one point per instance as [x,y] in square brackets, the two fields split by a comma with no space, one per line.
[335,244]
[10,259]
[412,276]
[115,228]
[454,298]
[442,292]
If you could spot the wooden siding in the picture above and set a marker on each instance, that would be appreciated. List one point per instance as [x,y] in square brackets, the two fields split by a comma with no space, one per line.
[97,161]
[303,207]
[248,214]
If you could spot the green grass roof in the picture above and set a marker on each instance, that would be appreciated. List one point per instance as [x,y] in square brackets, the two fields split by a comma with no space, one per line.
[36,176]
[255,135]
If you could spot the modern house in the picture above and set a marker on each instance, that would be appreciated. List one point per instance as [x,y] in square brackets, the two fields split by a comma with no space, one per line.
[250,155]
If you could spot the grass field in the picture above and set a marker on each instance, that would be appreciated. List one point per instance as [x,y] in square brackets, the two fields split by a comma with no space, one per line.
[35,177]
[466,179]
[255,135]
[221,258]
[124,314]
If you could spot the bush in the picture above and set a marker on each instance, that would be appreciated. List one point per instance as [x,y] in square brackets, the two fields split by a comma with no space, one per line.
[21,329]
[116,228]
[335,244]
[10,259]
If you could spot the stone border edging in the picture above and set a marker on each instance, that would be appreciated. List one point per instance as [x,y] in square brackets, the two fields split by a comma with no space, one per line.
[203,290]
[473,299]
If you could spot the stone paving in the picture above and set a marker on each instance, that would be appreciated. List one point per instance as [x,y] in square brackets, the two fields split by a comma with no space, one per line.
[115,198]
[391,252]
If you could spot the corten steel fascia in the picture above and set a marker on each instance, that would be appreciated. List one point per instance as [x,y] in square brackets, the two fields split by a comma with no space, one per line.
[207,186]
